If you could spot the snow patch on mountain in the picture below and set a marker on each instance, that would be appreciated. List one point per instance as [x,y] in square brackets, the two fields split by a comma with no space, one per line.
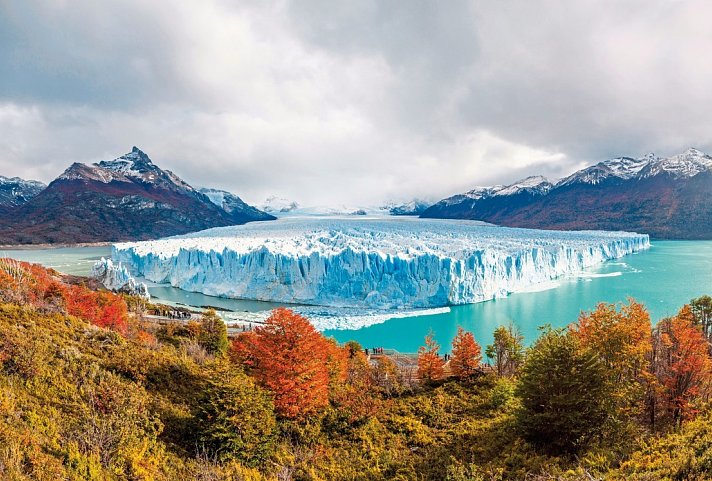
[15,191]
[93,172]
[535,184]
[685,165]
[382,263]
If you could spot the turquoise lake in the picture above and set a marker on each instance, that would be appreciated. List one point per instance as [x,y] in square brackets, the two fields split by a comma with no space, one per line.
[663,278]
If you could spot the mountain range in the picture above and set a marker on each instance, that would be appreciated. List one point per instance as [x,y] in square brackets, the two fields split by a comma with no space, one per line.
[280,206]
[128,198]
[666,197]
[131,198]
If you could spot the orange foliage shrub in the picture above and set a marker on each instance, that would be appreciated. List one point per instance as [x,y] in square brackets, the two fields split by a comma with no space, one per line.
[466,354]
[430,364]
[34,285]
[99,308]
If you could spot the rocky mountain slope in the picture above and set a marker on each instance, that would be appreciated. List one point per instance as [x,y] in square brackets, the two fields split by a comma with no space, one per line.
[15,191]
[667,198]
[129,198]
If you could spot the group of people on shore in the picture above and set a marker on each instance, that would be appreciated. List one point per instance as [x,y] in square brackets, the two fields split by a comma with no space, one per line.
[173,314]
[377,351]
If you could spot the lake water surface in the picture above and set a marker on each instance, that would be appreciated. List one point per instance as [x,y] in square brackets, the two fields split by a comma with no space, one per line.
[663,278]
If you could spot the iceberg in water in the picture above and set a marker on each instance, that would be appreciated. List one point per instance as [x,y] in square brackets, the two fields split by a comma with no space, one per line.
[117,278]
[381,263]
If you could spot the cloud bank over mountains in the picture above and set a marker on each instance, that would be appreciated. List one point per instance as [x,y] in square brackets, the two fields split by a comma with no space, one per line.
[352,102]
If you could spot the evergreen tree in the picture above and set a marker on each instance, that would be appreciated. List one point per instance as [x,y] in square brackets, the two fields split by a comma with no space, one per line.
[213,333]
[236,418]
[564,392]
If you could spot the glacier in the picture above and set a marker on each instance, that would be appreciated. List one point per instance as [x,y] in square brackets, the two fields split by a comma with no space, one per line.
[117,278]
[375,263]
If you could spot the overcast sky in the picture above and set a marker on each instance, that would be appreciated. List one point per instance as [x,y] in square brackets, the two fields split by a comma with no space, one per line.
[351,102]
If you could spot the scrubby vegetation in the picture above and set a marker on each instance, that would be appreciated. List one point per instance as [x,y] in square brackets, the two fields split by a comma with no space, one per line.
[91,391]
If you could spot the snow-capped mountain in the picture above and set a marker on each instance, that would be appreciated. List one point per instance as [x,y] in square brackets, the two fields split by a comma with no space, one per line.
[128,198]
[282,207]
[414,207]
[534,185]
[276,205]
[667,197]
[15,191]
[685,165]
[232,204]
[622,168]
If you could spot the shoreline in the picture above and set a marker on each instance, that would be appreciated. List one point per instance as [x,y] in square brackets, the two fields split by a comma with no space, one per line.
[63,245]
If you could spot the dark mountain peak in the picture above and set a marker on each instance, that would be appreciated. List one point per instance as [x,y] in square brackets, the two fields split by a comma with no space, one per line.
[135,163]
[137,155]
[128,198]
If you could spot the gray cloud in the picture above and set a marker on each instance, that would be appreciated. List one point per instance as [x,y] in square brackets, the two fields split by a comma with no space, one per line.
[351,102]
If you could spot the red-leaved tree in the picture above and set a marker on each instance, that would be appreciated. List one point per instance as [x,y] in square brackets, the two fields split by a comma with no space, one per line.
[682,364]
[466,355]
[292,360]
[682,368]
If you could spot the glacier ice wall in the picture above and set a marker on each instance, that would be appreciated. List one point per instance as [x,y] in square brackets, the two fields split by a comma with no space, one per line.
[376,263]
[116,277]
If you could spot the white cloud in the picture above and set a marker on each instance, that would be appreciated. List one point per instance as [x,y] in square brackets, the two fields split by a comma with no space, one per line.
[351,102]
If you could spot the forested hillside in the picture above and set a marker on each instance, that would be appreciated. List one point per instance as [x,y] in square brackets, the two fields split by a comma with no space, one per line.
[90,390]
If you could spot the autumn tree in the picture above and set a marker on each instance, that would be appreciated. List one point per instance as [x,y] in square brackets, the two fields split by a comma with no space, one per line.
[355,394]
[565,394]
[621,338]
[387,377]
[430,364]
[290,358]
[212,334]
[466,355]
[682,365]
[507,350]
[103,309]
[701,308]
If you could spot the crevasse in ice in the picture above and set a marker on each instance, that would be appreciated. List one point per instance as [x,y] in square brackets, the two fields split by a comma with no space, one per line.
[381,263]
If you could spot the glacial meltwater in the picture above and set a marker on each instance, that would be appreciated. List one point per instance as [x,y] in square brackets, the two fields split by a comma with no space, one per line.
[664,278]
